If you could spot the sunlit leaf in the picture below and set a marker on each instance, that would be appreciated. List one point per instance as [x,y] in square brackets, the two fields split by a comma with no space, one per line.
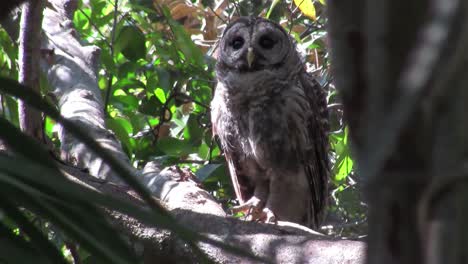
[345,166]
[160,94]
[193,132]
[307,8]
[186,45]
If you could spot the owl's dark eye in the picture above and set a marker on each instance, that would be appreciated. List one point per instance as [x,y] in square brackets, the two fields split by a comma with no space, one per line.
[266,42]
[237,43]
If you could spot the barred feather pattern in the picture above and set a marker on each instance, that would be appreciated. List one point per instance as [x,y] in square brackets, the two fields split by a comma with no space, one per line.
[272,124]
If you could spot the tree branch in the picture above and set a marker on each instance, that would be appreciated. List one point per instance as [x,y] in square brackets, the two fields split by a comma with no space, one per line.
[29,55]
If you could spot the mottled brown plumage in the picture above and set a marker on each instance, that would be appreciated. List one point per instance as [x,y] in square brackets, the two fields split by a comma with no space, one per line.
[271,118]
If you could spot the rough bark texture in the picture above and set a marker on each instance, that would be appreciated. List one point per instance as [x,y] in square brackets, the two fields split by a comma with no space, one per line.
[29,55]
[400,68]
[71,70]
[284,243]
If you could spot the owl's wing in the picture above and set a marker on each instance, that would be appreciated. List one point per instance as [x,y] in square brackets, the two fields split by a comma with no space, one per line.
[235,178]
[317,162]
[243,191]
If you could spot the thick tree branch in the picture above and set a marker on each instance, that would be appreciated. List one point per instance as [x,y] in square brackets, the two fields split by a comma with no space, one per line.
[71,71]
[198,210]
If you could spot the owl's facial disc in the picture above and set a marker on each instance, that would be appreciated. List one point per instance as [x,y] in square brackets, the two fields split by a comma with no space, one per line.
[270,44]
[253,44]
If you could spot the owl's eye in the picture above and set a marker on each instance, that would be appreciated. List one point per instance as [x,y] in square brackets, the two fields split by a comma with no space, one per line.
[266,42]
[237,43]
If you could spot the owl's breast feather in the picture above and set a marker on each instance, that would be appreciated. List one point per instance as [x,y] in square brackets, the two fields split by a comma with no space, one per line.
[271,125]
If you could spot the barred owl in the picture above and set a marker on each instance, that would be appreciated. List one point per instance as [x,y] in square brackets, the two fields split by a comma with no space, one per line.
[271,118]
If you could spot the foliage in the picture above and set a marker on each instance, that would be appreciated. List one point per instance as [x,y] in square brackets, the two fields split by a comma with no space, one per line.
[157,78]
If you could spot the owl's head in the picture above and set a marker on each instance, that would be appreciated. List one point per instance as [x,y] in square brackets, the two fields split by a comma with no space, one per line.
[251,44]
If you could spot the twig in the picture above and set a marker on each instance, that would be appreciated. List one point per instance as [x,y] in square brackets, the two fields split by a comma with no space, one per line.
[191,161]
[218,16]
[236,7]
[111,46]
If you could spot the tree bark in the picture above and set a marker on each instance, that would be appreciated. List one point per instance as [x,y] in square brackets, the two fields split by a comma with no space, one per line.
[283,243]
[401,74]
[29,56]
[71,70]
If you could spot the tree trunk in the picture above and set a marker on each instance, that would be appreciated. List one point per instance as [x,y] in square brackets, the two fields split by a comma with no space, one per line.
[400,68]
[28,60]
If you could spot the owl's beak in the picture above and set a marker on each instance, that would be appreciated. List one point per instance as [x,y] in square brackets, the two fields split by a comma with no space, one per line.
[250,56]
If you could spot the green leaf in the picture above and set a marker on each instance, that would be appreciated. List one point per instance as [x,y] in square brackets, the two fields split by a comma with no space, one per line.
[163,80]
[175,147]
[49,127]
[80,19]
[122,129]
[150,106]
[12,109]
[184,42]
[202,94]
[125,102]
[193,132]
[207,171]
[160,94]
[131,42]
[345,166]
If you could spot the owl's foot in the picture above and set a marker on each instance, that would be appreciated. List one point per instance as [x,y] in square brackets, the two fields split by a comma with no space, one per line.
[251,209]
[254,211]
[269,216]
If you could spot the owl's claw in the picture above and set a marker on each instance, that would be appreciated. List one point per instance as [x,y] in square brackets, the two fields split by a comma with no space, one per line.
[254,211]
[252,208]
[269,216]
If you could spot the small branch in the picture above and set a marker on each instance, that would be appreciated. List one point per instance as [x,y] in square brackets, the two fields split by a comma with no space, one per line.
[211,9]
[28,59]
[191,161]
[111,46]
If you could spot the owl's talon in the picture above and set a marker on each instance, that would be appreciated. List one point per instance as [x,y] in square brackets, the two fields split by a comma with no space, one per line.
[252,209]
[269,216]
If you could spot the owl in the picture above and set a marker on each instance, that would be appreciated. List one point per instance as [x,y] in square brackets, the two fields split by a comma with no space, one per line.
[271,118]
